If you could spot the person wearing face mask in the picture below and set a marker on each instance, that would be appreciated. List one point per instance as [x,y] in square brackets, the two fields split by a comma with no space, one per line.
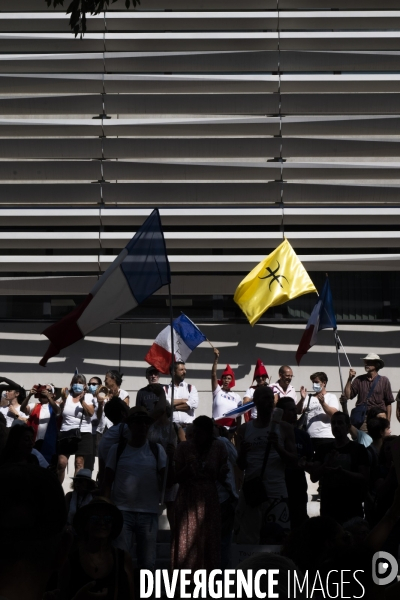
[98,418]
[319,407]
[75,437]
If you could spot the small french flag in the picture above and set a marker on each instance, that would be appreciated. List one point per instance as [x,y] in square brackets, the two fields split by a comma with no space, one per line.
[187,336]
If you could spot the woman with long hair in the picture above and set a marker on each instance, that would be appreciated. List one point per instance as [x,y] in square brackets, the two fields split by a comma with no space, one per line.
[199,464]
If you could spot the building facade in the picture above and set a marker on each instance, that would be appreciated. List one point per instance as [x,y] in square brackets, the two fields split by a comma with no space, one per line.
[242,122]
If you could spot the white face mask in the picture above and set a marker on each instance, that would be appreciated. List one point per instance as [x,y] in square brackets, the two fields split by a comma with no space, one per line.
[317,387]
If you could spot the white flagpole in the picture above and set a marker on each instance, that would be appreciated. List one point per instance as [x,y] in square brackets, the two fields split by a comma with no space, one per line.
[344,351]
[337,346]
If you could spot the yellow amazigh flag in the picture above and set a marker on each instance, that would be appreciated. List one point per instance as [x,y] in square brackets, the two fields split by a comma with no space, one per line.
[275,280]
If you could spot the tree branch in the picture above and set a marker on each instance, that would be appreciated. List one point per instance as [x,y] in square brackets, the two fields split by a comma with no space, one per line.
[78,9]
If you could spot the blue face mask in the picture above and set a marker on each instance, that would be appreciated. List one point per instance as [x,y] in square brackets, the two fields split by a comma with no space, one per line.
[93,388]
[77,388]
[317,387]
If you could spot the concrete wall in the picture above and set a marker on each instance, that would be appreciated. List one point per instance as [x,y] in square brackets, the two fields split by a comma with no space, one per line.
[22,346]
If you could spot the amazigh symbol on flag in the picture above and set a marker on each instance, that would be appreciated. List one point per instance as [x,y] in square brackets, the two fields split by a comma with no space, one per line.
[256,292]
[141,269]
[322,317]
[187,336]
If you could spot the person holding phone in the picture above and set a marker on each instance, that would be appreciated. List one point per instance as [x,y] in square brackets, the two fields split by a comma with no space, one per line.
[42,417]
[75,437]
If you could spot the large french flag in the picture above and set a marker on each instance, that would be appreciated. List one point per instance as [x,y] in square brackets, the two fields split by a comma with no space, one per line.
[322,317]
[187,336]
[140,270]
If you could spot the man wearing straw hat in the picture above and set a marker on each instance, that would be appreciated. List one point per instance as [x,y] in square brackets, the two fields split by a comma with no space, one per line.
[372,390]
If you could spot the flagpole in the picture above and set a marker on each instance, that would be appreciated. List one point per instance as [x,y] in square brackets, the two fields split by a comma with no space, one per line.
[341,346]
[337,345]
[210,343]
[171,318]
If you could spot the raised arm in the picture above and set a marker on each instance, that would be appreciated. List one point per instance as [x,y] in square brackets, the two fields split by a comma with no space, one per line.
[347,389]
[8,382]
[24,405]
[214,379]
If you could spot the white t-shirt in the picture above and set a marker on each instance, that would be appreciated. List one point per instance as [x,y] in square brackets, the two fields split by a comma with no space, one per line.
[318,422]
[44,419]
[182,391]
[249,394]
[72,415]
[136,484]
[223,402]
[111,437]
[10,417]
[122,394]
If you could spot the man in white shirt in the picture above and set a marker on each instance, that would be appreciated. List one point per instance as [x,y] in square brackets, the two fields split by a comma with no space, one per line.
[135,471]
[260,376]
[224,400]
[319,408]
[283,387]
[186,397]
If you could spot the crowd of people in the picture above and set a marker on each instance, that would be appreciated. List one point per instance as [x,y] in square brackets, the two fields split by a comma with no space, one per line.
[220,480]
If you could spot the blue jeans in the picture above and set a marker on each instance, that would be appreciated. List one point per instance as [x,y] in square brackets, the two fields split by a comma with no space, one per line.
[145,527]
